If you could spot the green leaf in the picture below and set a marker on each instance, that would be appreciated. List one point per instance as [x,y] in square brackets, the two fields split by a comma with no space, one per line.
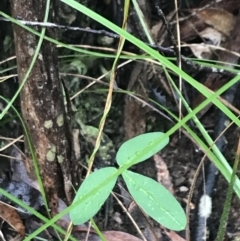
[156,201]
[131,147]
[91,205]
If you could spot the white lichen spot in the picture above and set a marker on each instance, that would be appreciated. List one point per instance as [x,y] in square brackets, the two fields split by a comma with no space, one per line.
[31,51]
[60,158]
[105,40]
[48,124]
[51,154]
[60,120]
[227,123]
[40,56]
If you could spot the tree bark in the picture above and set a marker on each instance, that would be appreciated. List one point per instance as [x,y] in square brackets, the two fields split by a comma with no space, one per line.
[42,104]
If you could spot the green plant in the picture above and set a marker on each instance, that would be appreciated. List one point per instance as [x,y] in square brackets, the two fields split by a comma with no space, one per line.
[213,154]
[151,196]
[217,157]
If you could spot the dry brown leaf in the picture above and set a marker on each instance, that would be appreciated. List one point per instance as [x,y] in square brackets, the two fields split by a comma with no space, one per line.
[189,29]
[163,175]
[215,81]
[9,215]
[220,19]
[213,35]
[228,5]
[204,51]
[201,51]
[119,236]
